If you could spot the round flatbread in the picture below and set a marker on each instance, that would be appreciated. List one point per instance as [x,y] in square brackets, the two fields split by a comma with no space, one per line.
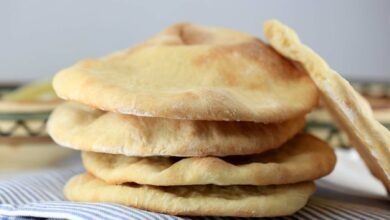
[301,159]
[348,108]
[194,73]
[243,201]
[88,129]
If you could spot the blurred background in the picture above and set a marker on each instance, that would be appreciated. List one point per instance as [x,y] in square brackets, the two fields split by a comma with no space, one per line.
[38,38]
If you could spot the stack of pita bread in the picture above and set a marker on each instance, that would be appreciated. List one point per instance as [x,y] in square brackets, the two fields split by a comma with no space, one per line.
[195,121]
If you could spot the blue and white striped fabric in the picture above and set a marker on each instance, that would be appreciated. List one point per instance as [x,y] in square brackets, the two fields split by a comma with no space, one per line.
[39,195]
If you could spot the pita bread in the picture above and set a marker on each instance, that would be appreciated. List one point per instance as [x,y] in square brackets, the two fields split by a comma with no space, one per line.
[351,111]
[244,201]
[194,73]
[85,128]
[301,159]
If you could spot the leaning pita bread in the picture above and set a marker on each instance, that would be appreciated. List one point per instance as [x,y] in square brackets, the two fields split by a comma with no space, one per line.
[245,201]
[354,115]
[194,73]
[85,128]
[301,159]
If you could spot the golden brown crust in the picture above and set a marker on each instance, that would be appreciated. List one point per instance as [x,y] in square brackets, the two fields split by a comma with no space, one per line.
[82,127]
[243,201]
[350,110]
[301,159]
[193,73]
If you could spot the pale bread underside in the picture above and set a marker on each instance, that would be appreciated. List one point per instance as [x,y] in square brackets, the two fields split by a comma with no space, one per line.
[301,159]
[244,201]
[81,127]
[350,110]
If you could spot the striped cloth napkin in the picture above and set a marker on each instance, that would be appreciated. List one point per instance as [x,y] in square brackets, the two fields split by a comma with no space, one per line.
[39,195]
